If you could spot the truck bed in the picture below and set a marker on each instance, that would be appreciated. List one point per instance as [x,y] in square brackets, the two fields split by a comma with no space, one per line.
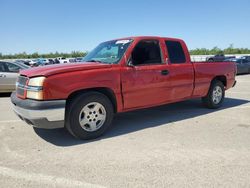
[205,71]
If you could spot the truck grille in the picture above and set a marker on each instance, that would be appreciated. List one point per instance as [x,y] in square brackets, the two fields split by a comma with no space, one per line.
[20,85]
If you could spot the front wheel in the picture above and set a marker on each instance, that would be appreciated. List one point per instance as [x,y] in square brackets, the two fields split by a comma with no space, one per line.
[89,115]
[215,96]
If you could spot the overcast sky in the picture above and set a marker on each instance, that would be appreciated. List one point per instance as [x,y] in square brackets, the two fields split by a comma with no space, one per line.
[66,25]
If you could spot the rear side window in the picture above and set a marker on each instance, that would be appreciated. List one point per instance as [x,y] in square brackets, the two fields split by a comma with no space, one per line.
[175,52]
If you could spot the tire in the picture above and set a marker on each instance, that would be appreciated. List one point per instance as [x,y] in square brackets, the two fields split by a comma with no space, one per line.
[89,115]
[215,96]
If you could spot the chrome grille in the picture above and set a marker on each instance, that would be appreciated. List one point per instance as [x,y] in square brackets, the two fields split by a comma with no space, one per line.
[22,80]
[20,85]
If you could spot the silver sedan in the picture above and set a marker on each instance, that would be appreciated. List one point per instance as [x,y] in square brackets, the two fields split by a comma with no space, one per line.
[8,74]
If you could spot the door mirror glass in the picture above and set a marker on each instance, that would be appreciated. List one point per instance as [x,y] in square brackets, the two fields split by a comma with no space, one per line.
[130,63]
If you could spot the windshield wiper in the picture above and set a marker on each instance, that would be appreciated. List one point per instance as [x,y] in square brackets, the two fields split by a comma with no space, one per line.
[96,61]
[92,60]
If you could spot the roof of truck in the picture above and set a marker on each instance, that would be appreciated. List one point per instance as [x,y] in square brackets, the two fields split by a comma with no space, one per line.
[147,37]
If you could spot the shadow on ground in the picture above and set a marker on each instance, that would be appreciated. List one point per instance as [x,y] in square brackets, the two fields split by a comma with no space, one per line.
[128,122]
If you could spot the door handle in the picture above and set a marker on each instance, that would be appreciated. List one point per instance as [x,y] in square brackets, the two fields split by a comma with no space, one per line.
[2,75]
[164,72]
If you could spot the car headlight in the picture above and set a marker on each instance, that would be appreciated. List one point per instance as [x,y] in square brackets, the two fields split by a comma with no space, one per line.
[35,88]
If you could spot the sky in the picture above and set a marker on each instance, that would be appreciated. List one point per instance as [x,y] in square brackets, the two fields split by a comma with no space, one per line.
[79,25]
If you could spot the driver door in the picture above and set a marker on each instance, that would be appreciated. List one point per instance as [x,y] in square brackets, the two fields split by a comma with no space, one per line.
[145,82]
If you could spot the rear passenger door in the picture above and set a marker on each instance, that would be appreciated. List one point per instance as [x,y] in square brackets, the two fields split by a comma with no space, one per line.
[181,70]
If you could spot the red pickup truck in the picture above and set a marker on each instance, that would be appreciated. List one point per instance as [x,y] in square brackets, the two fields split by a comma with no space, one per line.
[117,76]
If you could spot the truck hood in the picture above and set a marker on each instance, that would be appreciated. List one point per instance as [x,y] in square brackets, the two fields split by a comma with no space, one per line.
[62,68]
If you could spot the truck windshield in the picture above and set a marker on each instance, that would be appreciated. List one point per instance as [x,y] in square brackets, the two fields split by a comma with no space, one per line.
[108,52]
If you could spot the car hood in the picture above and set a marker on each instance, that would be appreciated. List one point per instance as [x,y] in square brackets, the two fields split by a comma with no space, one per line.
[62,68]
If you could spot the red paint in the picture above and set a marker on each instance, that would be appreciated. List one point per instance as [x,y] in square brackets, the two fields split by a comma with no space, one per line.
[139,86]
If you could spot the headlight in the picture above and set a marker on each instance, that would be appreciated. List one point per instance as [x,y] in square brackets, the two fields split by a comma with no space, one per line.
[36,82]
[35,88]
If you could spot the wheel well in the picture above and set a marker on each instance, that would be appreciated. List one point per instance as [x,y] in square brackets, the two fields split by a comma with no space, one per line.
[106,91]
[223,79]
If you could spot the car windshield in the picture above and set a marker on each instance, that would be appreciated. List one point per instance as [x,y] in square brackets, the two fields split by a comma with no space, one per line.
[21,65]
[108,52]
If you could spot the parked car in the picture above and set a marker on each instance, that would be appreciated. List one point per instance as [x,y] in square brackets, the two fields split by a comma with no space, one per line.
[32,62]
[8,75]
[72,60]
[117,76]
[56,61]
[243,65]
[245,57]
[219,57]
[51,61]
[41,62]
[25,62]
[62,60]
[79,59]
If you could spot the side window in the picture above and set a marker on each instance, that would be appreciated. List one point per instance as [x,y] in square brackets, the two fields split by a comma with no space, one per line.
[2,67]
[175,52]
[146,52]
[12,67]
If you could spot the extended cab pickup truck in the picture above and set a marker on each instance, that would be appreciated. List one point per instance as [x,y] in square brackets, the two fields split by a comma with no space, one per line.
[117,76]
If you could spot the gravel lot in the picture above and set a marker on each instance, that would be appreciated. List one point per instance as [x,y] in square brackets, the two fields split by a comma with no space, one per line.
[177,145]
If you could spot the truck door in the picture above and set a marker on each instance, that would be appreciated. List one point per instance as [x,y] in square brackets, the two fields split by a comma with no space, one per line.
[181,71]
[145,81]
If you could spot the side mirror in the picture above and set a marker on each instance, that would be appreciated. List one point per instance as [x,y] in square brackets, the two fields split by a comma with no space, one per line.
[167,61]
[130,63]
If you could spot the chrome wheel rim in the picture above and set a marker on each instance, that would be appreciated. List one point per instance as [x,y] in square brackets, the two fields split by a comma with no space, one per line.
[217,94]
[92,116]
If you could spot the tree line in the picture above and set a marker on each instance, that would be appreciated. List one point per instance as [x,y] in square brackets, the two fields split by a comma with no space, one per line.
[215,50]
[36,55]
[198,51]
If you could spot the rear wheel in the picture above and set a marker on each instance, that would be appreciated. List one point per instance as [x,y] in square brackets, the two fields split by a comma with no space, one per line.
[89,115]
[215,96]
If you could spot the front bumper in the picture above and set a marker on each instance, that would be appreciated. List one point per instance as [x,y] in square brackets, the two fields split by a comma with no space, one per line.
[40,114]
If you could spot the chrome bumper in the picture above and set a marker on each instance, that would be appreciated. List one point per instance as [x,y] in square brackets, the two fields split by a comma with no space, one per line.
[50,115]
[47,115]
